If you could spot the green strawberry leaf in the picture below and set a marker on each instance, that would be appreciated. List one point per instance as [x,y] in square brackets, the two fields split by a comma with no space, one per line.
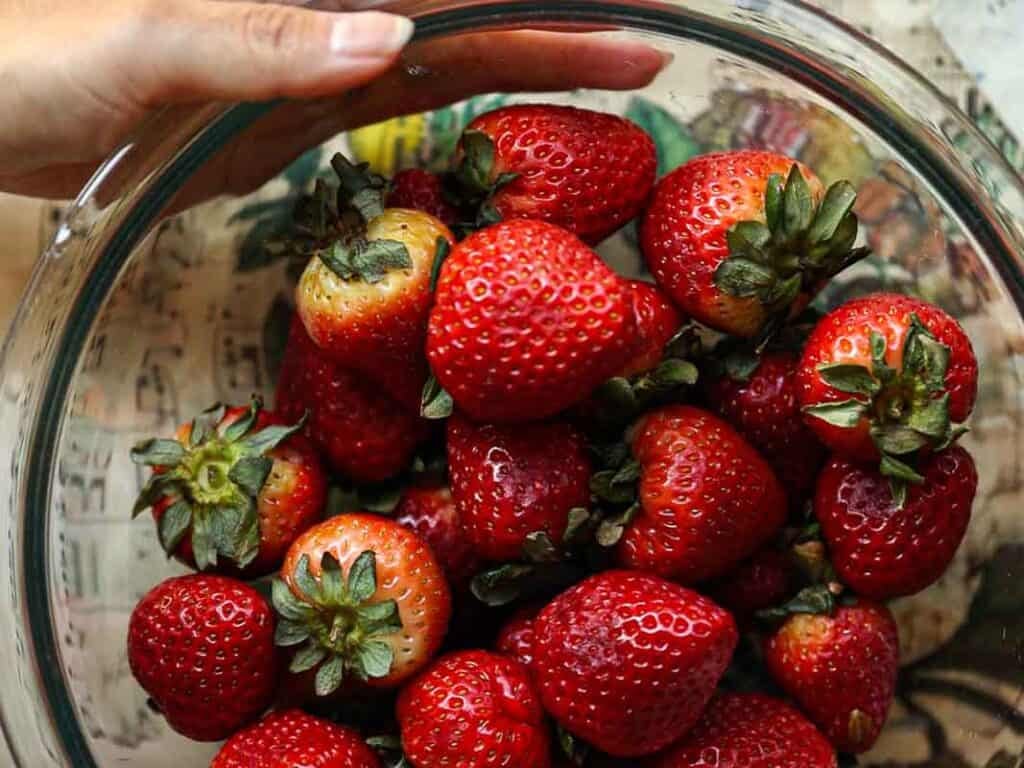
[380,618]
[672,373]
[773,202]
[748,240]
[289,633]
[287,604]
[173,525]
[744,278]
[837,204]
[577,526]
[374,659]
[158,453]
[849,378]
[330,676]
[538,548]
[844,413]
[332,583]
[307,657]
[895,439]
[817,599]
[155,489]
[441,252]
[436,403]
[362,577]
[573,748]
[610,531]
[204,548]
[304,580]
[797,204]
[240,427]
[502,585]
[250,474]
[931,418]
[892,467]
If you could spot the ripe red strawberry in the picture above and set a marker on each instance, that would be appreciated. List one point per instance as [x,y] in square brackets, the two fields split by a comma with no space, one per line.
[765,580]
[365,598]
[739,249]
[588,172]
[750,731]
[293,739]
[841,669]
[243,467]
[627,661]
[883,551]
[362,432]
[657,321]
[527,322]
[516,637]
[473,709]
[706,499]
[513,480]
[420,190]
[202,647]
[431,514]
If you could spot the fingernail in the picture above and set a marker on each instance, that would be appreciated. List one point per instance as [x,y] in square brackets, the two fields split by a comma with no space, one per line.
[370,34]
[666,58]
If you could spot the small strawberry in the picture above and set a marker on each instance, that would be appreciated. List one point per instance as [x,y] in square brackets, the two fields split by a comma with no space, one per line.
[765,580]
[516,637]
[886,377]
[233,489]
[840,668]
[657,321]
[362,432]
[587,172]
[510,481]
[750,731]
[293,739]
[738,248]
[364,597]
[431,513]
[527,321]
[627,661]
[881,550]
[473,709]
[202,647]
[419,190]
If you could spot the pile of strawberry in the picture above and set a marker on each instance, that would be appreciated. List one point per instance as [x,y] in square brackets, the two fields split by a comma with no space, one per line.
[637,521]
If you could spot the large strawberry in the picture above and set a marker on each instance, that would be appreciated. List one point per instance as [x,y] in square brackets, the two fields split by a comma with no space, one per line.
[881,550]
[840,668]
[527,321]
[293,739]
[363,433]
[473,709]
[419,190]
[202,647]
[657,321]
[431,513]
[513,480]
[887,377]
[365,598]
[750,731]
[627,661]
[588,172]
[233,489]
[738,248]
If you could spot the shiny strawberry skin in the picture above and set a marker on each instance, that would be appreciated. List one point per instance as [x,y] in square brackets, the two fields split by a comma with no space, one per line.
[202,647]
[881,551]
[763,581]
[765,409]
[362,432]
[683,232]
[527,321]
[421,190]
[516,637]
[473,709]
[431,514]
[657,321]
[587,172]
[293,739]
[512,480]
[749,730]
[708,500]
[834,666]
[627,661]
[844,336]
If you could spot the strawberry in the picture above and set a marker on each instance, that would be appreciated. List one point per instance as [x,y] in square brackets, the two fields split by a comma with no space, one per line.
[202,647]
[365,598]
[587,172]
[431,514]
[513,480]
[419,190]
[527,321]
[739,249]
[840,668]
[366,291]
[362,432]
[750,731]
[886,377]
[293,739]
[233,489]
[627,661]
[657,321]
[881,550]
[473,709]
[765,580]
[516,637]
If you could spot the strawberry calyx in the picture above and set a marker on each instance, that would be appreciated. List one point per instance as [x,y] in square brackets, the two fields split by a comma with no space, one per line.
[390,751]
[475,182]
[544,570]
[212,481]
[341,629]
[817,599]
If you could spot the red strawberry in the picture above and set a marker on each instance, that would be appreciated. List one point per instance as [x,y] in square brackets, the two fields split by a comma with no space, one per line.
[527,322]
[362,432]
[243,466]
[202,647]
[706,498]
[627,661]
[420,190]
[657,321]
[516,638]
[431,513]
[293,739]
[588,172]
[473,709]
[365,598]
[841,669]
[765,580]
[750,731]
[737,248]
[513,480]
[880,550]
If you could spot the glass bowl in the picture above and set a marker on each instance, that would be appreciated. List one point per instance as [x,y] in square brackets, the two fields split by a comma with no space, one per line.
[155,300]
